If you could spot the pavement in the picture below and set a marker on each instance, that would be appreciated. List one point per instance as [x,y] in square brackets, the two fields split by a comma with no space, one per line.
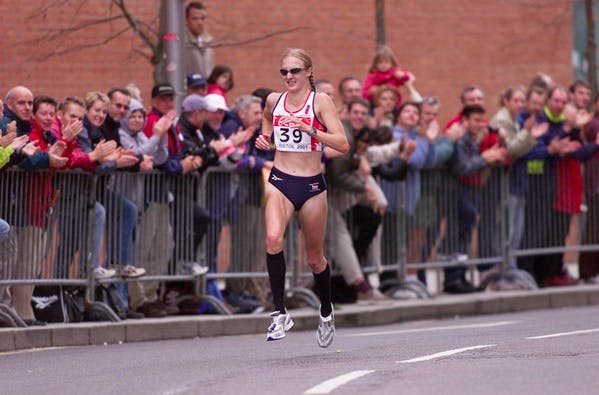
[346,315]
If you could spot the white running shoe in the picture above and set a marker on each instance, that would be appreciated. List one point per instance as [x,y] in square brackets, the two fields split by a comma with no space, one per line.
[101,273]
[326,330]
[281,323]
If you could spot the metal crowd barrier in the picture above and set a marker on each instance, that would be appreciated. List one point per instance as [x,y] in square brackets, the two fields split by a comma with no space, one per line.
[493,224]
[64,224]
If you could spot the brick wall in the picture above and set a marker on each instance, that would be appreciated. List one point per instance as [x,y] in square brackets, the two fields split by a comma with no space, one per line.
[447,44]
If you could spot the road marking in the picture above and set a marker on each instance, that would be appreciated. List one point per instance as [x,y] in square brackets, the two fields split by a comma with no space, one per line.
[436,328]
[329,385]
[581,332]
[31,350]
[445,353]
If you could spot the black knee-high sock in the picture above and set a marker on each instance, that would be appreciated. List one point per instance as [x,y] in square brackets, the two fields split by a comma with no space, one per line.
[322,281]
[276,273]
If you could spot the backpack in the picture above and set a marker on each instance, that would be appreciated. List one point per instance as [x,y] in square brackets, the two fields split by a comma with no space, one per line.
[58,304]
[110,296]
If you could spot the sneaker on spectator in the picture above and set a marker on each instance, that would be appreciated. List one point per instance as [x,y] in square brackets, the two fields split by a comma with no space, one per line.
[281,323]
[191,268]
[326,330]
[129,271]
[404,294]
[151,310]
[101,273]
[563,279]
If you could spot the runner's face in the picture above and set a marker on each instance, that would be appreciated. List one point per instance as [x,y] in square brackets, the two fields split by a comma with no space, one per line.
[295,82]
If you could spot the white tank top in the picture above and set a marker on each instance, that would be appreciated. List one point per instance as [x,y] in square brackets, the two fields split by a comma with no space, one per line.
[290,139]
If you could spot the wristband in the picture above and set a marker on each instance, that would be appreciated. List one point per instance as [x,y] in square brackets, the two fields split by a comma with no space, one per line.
[312,132]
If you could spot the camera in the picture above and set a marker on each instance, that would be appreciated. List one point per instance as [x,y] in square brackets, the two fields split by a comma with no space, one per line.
[207,153]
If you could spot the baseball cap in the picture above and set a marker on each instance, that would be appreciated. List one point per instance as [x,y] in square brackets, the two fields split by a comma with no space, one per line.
[162,89]
[217,101]
[196,102]
[195,79]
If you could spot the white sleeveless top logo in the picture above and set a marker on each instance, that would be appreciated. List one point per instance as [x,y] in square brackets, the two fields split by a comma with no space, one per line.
[292,139]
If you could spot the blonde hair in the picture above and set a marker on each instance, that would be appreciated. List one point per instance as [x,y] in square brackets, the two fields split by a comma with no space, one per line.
[305,59]
[92,97]
[383,53]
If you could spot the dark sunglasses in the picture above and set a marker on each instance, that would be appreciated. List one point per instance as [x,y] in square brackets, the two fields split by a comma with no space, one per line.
[294,71]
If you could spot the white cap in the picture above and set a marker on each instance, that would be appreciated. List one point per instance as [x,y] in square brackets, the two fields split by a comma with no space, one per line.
[217,101]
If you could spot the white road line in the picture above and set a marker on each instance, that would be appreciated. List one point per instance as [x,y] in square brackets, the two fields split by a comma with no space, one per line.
[436,328]
[329,385]
[581,332]
[445,353]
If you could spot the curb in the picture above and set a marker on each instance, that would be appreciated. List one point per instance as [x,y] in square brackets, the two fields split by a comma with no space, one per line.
[185,327]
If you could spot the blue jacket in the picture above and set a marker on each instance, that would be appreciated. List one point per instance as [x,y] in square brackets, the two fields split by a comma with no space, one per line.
[419,158]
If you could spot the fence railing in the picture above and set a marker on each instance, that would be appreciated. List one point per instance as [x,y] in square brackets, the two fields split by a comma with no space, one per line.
[65,224]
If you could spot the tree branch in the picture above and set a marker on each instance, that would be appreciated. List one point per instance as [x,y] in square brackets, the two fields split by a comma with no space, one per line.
[134,23]
[79,47]
[60,33]
[216,44]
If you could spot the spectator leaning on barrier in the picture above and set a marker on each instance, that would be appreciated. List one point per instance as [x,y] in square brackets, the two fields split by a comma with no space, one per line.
[518,142]
[26,217]
[9,144]
[122,213]
[546,224]
[193,116]
[349,186]
[467,164]
[154,239]
[245,117]
[405,209]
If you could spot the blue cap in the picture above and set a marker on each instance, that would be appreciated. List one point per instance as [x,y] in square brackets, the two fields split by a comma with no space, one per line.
[195,79]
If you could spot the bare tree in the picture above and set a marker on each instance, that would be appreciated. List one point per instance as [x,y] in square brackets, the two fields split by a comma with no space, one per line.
[149,32]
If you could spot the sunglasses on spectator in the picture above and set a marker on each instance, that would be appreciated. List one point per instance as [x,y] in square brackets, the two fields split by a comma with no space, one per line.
[293,71]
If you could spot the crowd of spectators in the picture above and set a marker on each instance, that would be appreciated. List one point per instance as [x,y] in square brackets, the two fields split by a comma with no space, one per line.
[390,196]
